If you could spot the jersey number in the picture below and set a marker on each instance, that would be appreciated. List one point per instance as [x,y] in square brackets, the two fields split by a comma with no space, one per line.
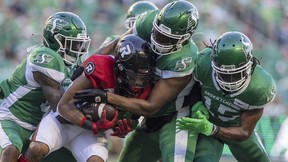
[222,109]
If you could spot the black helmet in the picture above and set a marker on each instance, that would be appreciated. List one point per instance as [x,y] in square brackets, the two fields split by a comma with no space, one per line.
[134,65]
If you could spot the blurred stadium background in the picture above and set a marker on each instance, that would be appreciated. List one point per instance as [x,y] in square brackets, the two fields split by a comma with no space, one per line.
[264,21]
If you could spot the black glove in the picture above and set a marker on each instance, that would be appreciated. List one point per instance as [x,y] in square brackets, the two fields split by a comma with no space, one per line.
[91,96]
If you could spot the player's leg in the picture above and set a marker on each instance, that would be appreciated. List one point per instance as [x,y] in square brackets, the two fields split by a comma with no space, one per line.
[251,150]
[208,149]
[12,139]
[90,147]
[177,145]
[141,146]
[47,138]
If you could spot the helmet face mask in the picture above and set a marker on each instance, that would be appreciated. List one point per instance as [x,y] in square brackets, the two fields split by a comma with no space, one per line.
[73,48]
[230,78]
[165,43]
[173,27]
[129,22]
[66,34]
[134,66]
[232,61]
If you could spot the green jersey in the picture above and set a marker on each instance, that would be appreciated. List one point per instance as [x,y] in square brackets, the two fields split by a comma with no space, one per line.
[24,101]
[225,108]
[178,64]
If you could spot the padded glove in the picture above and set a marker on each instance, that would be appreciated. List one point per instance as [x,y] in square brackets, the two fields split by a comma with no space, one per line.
[91,95]
[199,106]
[123,128]
[197,124]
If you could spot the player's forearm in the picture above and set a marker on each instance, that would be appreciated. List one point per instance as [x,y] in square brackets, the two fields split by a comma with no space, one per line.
[137,106]
[71,113]
[233,134]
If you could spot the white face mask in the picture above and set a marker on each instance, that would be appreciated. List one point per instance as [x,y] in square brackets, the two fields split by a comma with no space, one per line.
[232,79]
[163,42]
[73,48]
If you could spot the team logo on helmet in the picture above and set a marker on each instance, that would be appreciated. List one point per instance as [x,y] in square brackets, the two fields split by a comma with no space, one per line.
[192,20]
[90,68]
[247,46]
[57,25]
[126,51]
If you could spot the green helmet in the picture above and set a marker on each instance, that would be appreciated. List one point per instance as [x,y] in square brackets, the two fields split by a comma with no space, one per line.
[232,61]
[66,33]
[173,27]
[135,10]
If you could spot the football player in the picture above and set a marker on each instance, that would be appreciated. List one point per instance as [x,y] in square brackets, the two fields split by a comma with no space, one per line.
[169,33]
[235,89]
[39,80]
[86,139]
[133,11]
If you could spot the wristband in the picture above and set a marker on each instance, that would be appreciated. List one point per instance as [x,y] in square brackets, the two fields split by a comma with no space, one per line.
[215,130]
[88,124]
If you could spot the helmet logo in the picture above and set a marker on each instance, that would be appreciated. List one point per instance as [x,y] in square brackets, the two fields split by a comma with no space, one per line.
[247,46]
[90,67]
[57,25]
[192,20]
[126,51]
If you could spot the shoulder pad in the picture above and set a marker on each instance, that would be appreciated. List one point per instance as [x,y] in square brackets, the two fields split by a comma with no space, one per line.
[47,61]
[262,87]
[99,69]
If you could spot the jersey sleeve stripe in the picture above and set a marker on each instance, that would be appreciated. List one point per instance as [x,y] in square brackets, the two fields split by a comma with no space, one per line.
[53,74]
[165,74]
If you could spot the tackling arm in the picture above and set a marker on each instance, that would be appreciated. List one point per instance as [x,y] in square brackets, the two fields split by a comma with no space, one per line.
[200,124]
[248,122]
[164,91]
[51,89]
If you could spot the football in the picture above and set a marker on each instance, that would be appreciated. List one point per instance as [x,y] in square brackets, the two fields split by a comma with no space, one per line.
[93,111]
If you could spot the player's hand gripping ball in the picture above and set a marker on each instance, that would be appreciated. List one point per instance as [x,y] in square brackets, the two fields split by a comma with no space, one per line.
[93,111]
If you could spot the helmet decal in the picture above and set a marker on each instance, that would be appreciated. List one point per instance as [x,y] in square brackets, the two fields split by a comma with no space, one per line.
[90,68]
[57,25]
[193,19]
[125,51]
[247,46]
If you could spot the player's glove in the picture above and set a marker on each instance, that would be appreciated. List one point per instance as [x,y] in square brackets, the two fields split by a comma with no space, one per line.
[99,126]
[91,95]
[123,128]
[103,124]
[198,124]
[199,106]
